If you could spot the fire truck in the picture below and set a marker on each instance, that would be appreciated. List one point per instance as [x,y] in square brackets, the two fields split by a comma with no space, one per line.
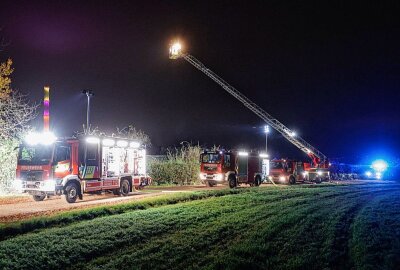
[231,167]
[291,171]
[82,165]
[319,165]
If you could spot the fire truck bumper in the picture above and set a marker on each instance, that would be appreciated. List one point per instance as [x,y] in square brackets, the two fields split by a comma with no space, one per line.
[38,187]
[217,178]
[278,179]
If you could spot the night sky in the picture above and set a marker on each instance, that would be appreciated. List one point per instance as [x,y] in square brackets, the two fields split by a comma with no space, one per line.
[329,71]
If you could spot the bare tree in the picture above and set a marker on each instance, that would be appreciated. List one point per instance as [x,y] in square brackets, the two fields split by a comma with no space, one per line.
[132,133]
[15,114]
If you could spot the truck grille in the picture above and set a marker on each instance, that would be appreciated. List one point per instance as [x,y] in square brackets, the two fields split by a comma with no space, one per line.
[34,185]
[31,175]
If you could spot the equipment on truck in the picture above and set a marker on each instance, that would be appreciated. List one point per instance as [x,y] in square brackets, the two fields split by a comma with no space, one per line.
[231,167]
[74,166]
[319,160]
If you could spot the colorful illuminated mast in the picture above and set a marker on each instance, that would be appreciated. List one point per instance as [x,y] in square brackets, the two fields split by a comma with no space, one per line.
[46,110]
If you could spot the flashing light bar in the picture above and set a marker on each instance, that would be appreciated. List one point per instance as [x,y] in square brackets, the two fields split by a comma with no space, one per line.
[243,154]
[379,165]
[264,156]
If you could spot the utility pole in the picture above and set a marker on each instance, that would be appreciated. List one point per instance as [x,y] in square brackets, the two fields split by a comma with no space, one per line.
[266,130]
[266,161]
[89,94]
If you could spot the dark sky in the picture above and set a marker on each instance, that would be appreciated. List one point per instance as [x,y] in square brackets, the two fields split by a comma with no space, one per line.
[327,69]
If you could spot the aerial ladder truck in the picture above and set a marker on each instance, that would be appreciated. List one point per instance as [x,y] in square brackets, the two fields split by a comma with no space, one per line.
[319,166]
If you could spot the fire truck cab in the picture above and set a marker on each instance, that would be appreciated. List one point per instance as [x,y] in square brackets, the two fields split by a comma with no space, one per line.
[230,167]
[85,164]
[286,171]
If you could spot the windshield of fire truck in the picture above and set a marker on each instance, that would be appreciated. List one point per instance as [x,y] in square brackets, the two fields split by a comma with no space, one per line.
[211,158]
[35,155]
[275,165]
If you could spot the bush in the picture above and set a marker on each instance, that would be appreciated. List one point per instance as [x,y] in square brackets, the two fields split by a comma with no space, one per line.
[181,167]
[8,164]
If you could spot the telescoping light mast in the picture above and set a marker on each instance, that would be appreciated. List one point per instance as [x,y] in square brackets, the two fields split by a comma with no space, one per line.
[46,109]
[318,158]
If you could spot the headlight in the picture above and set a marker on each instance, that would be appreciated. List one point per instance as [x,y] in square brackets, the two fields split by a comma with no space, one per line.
[59,181]
[202,176]
[17,184]
[305,174]
[282,178]
[219,176]
[319,173]
[270,177]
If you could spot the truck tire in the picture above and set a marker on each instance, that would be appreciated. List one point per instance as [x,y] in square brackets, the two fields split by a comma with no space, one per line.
[39,198]
[71,193]
[125,187]
[292,180]
[232,181]
[209,184]
[257,181]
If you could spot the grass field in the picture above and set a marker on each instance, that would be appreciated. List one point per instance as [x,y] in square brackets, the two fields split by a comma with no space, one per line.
[313,227]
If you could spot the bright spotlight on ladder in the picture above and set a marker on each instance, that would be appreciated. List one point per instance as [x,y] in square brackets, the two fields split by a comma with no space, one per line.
[175,50]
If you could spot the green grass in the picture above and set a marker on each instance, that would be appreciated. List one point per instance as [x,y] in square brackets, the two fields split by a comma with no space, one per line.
[314,227]
[10,229]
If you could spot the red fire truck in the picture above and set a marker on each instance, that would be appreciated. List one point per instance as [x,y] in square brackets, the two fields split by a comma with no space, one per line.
[291,171]
[75,166]
[231,167]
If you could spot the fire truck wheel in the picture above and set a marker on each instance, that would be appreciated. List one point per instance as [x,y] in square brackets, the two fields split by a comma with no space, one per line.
[292,180]
[232,181]
[39,198]
[209,184]
[257,181]
[71,193]
[125,187]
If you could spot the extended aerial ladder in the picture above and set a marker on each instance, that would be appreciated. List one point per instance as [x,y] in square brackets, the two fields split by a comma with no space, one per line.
[318,158]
